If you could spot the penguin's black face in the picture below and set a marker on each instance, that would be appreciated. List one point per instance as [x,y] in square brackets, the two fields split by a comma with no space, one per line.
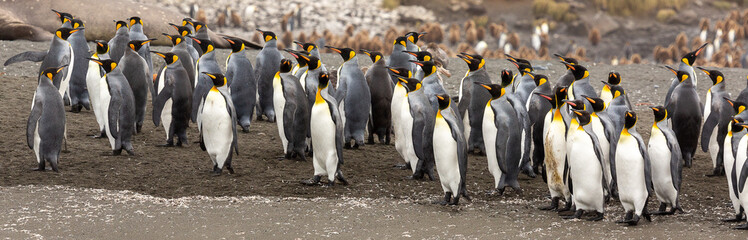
[421,56]
[402,72]
[560,95]
[614,78]
[285,66]
[474,62]
[715,75]
[63,16]
[198,25]
[519,60]
[572,61]
[107,64]
[738,107]
[205,44]
[77,23]
[218,79]
[102,47]
[297,55]
[135,20]
[374,55]
[137,44]
[168,57]
[579,71]
[690,58]
[583,117]
[267,35]
[522,67]
[577,104]
[410,84]
[189,21]
[736,124]
[312,61]
[52,72]
[400,41]
[506,77]
[495,90]
[346,53]
[306,46]
[629,119]
[181,30]
[64,33]
[539,79]
[428,67]
[120,24]
[414,36]
[237,45]
[616,91]
[660,113]
[443,100]
[324,80]
[682,75]
[598,105]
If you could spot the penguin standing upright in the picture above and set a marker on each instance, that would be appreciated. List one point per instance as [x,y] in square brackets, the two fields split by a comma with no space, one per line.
[327,136]
[45,129]
[537,107]
[354,98]
[301,66]
[604,129]
[243,83]
[202,83]
[740,172]
[581,85]
[266,65]
[135,69]
[526,83]
[77,93]
[380,86]
[118,43]
[731,141]
[685,65]
[554,144]
[93,78]
[415,116]
[118,103]
[400,59]
[614,79]
[185,33]
[585,167]
[472,101]
[717,116]
[568,77]
[665,157]
[450,152]
[289,101]
[218,129]
[180,48]
[173,103]
[400,100]
[137,33]
[685,109]
[632,172]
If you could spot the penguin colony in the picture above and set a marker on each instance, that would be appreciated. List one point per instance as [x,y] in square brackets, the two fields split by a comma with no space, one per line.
[583,143]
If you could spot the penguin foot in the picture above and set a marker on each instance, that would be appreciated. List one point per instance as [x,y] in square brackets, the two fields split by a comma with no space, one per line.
[529,172]
[312,181]
[633,221]
[230,169]
[741,227]
[130,152]
[553,206]
[39,169]
[166,145]
[577,214]
[329,184]
[117,152]
[598,216]
[339,177]
[76,108]
[402,166]
[737,218]
[718,171]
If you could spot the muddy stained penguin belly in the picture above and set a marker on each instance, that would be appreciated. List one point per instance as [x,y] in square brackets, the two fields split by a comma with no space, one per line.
[445,155]
[489,139]
[323,141]
[555,160]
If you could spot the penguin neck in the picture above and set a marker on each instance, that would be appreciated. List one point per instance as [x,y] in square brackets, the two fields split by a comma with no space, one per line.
[123,31]
[272,44]
[315,53]
[353,62]
[718,87]
[67,24]
[58,43]
[398,49]
[410,46]
[137,28]
[210,56]
[318,99]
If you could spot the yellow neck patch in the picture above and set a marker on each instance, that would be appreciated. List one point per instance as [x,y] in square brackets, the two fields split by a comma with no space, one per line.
[625,132]
[214,89]
[318,98]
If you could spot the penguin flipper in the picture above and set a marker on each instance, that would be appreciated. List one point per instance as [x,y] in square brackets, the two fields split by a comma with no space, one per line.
[598,150]
[743,176]
[232,111]
[647,167]
[115,104]
[159,101]
[26,56]
[524,119]
[333,106]
[36,114]
[706,130]
[734,178]
[676,167]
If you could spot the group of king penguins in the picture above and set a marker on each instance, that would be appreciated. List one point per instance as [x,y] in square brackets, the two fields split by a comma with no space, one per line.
[585,145]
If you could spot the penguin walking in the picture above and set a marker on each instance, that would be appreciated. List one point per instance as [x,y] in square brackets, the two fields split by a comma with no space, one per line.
[118,103]
[180,48]
[632,172]
[585,167]
[172,104]
[202,83]
[731,142]
[93,78]
[267,64]
[243,83]
[137,33]
[354,98]
[135,69]
[665,160]
[450,152]
[45,129]
[415,117]
[554,144]
[605,131]
[717,116]
[380,86]
[119,43]
[77,93]
[327,136]
[472,101]
[218,129]
[685,107]
[289,101]
[685,65]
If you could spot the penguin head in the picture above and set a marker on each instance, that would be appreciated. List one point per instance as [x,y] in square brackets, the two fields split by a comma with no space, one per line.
[218,79]
[312,61]
[428,67]
[519,60]
[374,55]
[188,20]
[52,72]
[402,72]
[690,57]
[346,53]
[136,44]
[539,79]
[570,60]
[175,39]
[738,107]
[506,77]
[551,99]
[119,24]
[267,35]
[400,41]
[583,117]
[297,55]
[629,119]
[205,44]
[523,67]
[598,105]
[198,25]
[64,33]
[716,76]
[580,72]
[76,22]
[306,46]
[560,94]
[660,113]
[63,16]
[237,45]
[135,20]
[576,104]
[495,90]
[410,84]
[107,64]
[414,36]
[443,100]
[285,66]
[614,78]
[737,124]
[102,47]
[421,56]
[474,62]
[168,57]
[181,30]
[324,80]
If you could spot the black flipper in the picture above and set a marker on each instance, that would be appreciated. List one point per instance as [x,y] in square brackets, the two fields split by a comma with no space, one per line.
[26,56]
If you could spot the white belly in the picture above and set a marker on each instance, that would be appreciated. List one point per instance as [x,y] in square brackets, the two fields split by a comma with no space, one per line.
[302,79]
[555,159]
[707,105]
[68,73]
[599,130]
[740,159]
[714,146]
[166,117]
[489,139]
[406,125]
[217,133]
[586,172]
[398,96]
[445,155]
[37,141]
[632,190]
[93,77]
[105,98]
[606,96]
[466,124]
[459,92]
[729,160]
[659,159]
[279,104]
[323,141]
[161,82]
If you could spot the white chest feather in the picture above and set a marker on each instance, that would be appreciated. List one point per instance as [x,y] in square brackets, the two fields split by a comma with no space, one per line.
[489,139]
[279,104]
[445,155]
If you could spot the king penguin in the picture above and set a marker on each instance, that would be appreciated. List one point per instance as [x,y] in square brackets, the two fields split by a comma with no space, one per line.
[568,77]
[581,85]
[605,131]
[172,104]
[118,103]
[731,142]
[267,64]
[399,101]
[665,157]
[137,33]
[202,82]
[717,116]
[289,100]
[400,59]
[537,107]
[415,116]
[45,129]
[185,33]
[450,152]
[472,101]
[301,65]
[240,74]
[93,78]
[354,98]
[554,144]
[180,48]
[740,173]
[526,83]
[218,129]
[135,69]
[118,43]
[685,65]
[685,108]
[380,87]
[632,172]
[585,167]
[614,79]
[77,93]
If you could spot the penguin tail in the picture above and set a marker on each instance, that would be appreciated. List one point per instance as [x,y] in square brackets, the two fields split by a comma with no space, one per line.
[26,56]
